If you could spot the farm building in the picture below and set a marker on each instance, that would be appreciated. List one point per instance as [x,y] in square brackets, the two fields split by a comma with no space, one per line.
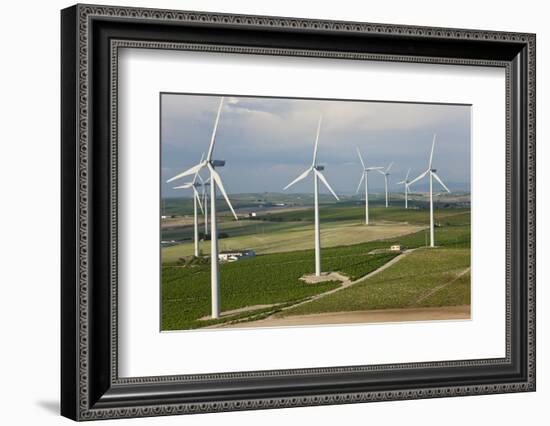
[233,256]
[395,247]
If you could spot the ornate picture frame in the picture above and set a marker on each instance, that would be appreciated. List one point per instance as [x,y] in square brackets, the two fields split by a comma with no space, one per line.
[91,37]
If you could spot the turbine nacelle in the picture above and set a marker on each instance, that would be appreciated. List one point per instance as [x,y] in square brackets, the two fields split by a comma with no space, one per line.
[217,163]
[385,172]
[320,168]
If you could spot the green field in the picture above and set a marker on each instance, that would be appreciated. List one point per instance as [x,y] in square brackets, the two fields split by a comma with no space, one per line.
[264,280]
[293,230]
[418,280]
[298,238]
[273,279]
[337,213]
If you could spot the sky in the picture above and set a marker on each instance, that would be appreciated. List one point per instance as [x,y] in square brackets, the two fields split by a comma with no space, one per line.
[267,142]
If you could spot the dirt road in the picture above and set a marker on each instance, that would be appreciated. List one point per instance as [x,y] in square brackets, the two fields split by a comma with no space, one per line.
[372,316]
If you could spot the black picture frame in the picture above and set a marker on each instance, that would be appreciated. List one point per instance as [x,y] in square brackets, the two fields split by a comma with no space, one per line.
[90,386]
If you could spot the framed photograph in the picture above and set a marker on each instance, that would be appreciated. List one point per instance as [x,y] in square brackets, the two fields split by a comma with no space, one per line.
[263,212]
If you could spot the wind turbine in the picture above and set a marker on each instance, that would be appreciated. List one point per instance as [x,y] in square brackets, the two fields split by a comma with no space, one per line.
[406,183]
[215,182]
[365,176]
[433,174]
[386,174]
[316,169]
[196,200]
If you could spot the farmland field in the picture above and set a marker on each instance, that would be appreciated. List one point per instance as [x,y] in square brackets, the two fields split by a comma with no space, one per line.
[427,277]
[293,230]
[297,238]
[269,284]
[264,280]
[357,213]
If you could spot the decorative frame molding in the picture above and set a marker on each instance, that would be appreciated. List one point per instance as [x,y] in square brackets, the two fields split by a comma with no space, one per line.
[91,37]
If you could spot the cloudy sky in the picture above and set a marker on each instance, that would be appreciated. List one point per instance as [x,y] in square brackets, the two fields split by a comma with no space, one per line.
[267,142]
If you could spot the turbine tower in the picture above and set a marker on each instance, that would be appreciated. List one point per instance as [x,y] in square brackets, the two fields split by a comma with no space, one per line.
[433,174]
[316,169]
[406,183]
[365,176]
[386,174]
[205,186]
[215,182]
[196,200]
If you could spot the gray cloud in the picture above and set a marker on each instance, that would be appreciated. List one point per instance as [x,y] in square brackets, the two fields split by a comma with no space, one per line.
[268,141]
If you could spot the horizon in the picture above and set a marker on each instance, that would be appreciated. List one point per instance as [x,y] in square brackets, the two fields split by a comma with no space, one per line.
[187,194]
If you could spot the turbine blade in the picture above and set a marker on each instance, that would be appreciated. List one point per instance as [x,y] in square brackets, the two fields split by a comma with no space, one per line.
[188,172]
[218,181]
[198,197]
[184,186]
[416,179]
[197,172]
[389,167]
[382,172]
[361,158]
[401,183]
[299,178]
[213,138]
[408,172]
[368,169]
[360,182]
[432,153]
[441,182]
[318,173]
[317,140]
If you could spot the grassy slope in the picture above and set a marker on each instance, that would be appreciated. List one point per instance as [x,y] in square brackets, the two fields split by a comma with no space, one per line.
[458,293]
[403,285]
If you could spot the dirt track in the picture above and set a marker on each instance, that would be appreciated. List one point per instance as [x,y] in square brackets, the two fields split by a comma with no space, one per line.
[373,316]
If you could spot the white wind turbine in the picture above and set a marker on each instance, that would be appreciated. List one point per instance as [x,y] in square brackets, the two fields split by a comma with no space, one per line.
[316,169]
[215,181]
[386,174]
[406,183]
[365,176]
[196,200]
[433,174]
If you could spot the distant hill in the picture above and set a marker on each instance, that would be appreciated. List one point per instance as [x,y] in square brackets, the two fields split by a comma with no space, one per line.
[250,202]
